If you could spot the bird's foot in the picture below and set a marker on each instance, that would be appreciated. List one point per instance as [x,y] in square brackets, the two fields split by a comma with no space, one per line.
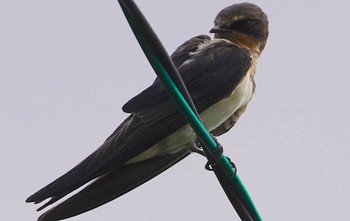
[197,148]
[212,160]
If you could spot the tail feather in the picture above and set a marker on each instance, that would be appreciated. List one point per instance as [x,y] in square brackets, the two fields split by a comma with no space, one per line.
[112,185]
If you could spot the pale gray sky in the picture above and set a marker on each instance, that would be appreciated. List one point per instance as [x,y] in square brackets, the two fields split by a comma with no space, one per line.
[67,67]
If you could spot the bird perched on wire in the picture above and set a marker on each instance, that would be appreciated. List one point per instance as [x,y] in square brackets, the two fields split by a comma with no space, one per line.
[219,75]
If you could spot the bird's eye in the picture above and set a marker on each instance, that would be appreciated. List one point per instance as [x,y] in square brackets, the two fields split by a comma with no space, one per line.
[248,22]
[243,24]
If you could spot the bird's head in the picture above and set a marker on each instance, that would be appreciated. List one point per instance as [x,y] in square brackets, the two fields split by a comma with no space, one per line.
[244,24]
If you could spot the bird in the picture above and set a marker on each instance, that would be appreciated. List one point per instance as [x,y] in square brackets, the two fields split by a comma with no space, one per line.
[219,75]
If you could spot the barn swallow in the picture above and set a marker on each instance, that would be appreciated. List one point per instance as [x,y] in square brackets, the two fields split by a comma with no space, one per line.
[219,75]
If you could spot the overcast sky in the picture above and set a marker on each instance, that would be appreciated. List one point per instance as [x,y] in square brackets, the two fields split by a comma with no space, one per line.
[67,67]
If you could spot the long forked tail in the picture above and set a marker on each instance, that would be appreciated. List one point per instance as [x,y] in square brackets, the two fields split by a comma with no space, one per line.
[112,185]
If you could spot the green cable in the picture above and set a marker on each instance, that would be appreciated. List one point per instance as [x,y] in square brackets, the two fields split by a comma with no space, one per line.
[159,60]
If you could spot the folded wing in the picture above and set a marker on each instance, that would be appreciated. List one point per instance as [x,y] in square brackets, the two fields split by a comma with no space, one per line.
[211,69]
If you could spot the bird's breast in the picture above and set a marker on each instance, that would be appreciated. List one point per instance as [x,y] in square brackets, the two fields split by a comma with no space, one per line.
[212,117]
[218,113]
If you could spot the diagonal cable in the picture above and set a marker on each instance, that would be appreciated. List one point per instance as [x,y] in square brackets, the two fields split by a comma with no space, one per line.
[166,71]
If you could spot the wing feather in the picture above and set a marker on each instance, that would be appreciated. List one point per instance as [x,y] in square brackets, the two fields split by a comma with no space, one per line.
[211,69]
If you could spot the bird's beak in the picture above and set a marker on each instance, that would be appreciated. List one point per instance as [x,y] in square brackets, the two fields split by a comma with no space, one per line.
[219,29]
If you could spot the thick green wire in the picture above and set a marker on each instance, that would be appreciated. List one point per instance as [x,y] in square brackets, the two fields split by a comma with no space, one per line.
[188,113]
[204,135]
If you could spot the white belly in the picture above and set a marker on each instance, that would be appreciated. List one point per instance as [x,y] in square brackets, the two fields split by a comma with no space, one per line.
[212,117]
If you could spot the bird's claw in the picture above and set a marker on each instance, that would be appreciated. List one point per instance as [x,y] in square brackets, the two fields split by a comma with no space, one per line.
[212,160]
